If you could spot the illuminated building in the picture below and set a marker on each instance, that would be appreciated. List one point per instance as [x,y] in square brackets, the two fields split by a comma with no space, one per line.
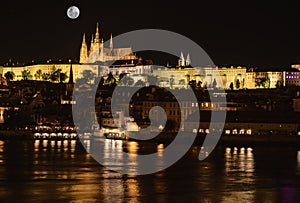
[98,53]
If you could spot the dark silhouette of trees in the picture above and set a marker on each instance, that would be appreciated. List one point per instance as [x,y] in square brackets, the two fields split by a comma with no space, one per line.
[214,84]
[237,84]
[9,75]
[26,75]
[38,74]
[139,83]
[231,86]
[110,80]
[193,84]
[88,76]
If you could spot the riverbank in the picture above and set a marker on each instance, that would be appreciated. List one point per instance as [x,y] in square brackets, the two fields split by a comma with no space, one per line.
[236,139]
[167,138]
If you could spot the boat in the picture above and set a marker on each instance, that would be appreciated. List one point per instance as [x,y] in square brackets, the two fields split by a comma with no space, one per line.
[121,133]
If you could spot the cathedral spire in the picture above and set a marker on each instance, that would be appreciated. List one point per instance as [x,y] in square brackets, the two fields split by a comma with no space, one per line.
[111,42]
[71,80]
[97,35]
[181,61]
[83,51]
[188,60]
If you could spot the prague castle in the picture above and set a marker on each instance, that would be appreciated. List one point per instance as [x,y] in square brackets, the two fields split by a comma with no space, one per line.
[98,53]
[95,56]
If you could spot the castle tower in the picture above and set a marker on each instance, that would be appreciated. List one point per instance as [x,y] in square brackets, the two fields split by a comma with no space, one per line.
[83,51]
[97,35]
[188,60]
[102,51]
[111,42]
[97,41]
[181,61]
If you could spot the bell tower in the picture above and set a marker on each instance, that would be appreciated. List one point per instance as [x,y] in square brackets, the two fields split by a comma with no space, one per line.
[83,51]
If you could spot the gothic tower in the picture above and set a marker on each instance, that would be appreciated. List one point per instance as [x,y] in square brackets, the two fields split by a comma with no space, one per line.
[181,61]
[188,60]
[111,42]
[97,42]
[83,51]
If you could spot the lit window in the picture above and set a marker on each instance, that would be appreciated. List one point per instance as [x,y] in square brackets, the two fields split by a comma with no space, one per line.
[235,131]
[194,130]
[227,132]
[201,131]
[242,131]
[249,131]
[207,131]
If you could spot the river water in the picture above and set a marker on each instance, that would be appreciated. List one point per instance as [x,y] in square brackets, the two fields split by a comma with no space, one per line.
[62,171]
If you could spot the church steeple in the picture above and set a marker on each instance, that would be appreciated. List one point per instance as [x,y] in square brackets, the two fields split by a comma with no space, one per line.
[71,80]
[97,35]
[188,60]
[111,42]
[83,51]
[181,61]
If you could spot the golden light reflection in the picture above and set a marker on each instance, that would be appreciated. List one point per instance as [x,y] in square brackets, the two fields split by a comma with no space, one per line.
[133,190]
[298,163]
[160,150]
[1,151]
[132,147]
[239,165]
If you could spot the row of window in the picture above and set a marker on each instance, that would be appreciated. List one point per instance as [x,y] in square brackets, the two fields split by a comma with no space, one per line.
[234,131]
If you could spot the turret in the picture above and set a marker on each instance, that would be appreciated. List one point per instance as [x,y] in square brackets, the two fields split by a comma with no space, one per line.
[181,61]
[97,35]
[83,51]
[188,60]
[111,42]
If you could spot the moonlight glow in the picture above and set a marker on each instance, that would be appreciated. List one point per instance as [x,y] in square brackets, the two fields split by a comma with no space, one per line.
[73,12]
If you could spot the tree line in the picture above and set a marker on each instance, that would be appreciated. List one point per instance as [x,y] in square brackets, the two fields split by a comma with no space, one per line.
[55,75]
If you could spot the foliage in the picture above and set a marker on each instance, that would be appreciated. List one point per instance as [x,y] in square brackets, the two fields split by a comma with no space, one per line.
[63,77]
[26,75]
[231,86]
[126,81]
[110,80]
[54,74]
[193,84]
[279,84]
[181,82]
[45,76]
[237,84]
[9,75]
[38,74]
[262,82]
[214,84]
[172,81]
[139,83]
[88,76]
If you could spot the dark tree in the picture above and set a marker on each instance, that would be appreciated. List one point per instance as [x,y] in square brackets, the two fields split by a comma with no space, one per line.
[231,86]
[9,75]
[26,75]
[139,83]
[88,76]
[192,83]
[214,84]
[237,84]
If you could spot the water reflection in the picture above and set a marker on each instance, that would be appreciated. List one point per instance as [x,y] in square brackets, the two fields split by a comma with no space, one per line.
[62,171]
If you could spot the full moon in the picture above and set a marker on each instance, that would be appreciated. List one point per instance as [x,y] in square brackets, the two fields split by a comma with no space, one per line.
[73,12]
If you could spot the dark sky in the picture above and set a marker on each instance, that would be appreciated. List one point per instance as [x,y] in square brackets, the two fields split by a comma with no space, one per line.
[254,33]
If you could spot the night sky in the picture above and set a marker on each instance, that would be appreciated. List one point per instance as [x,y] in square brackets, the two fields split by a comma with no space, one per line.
[252,33]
